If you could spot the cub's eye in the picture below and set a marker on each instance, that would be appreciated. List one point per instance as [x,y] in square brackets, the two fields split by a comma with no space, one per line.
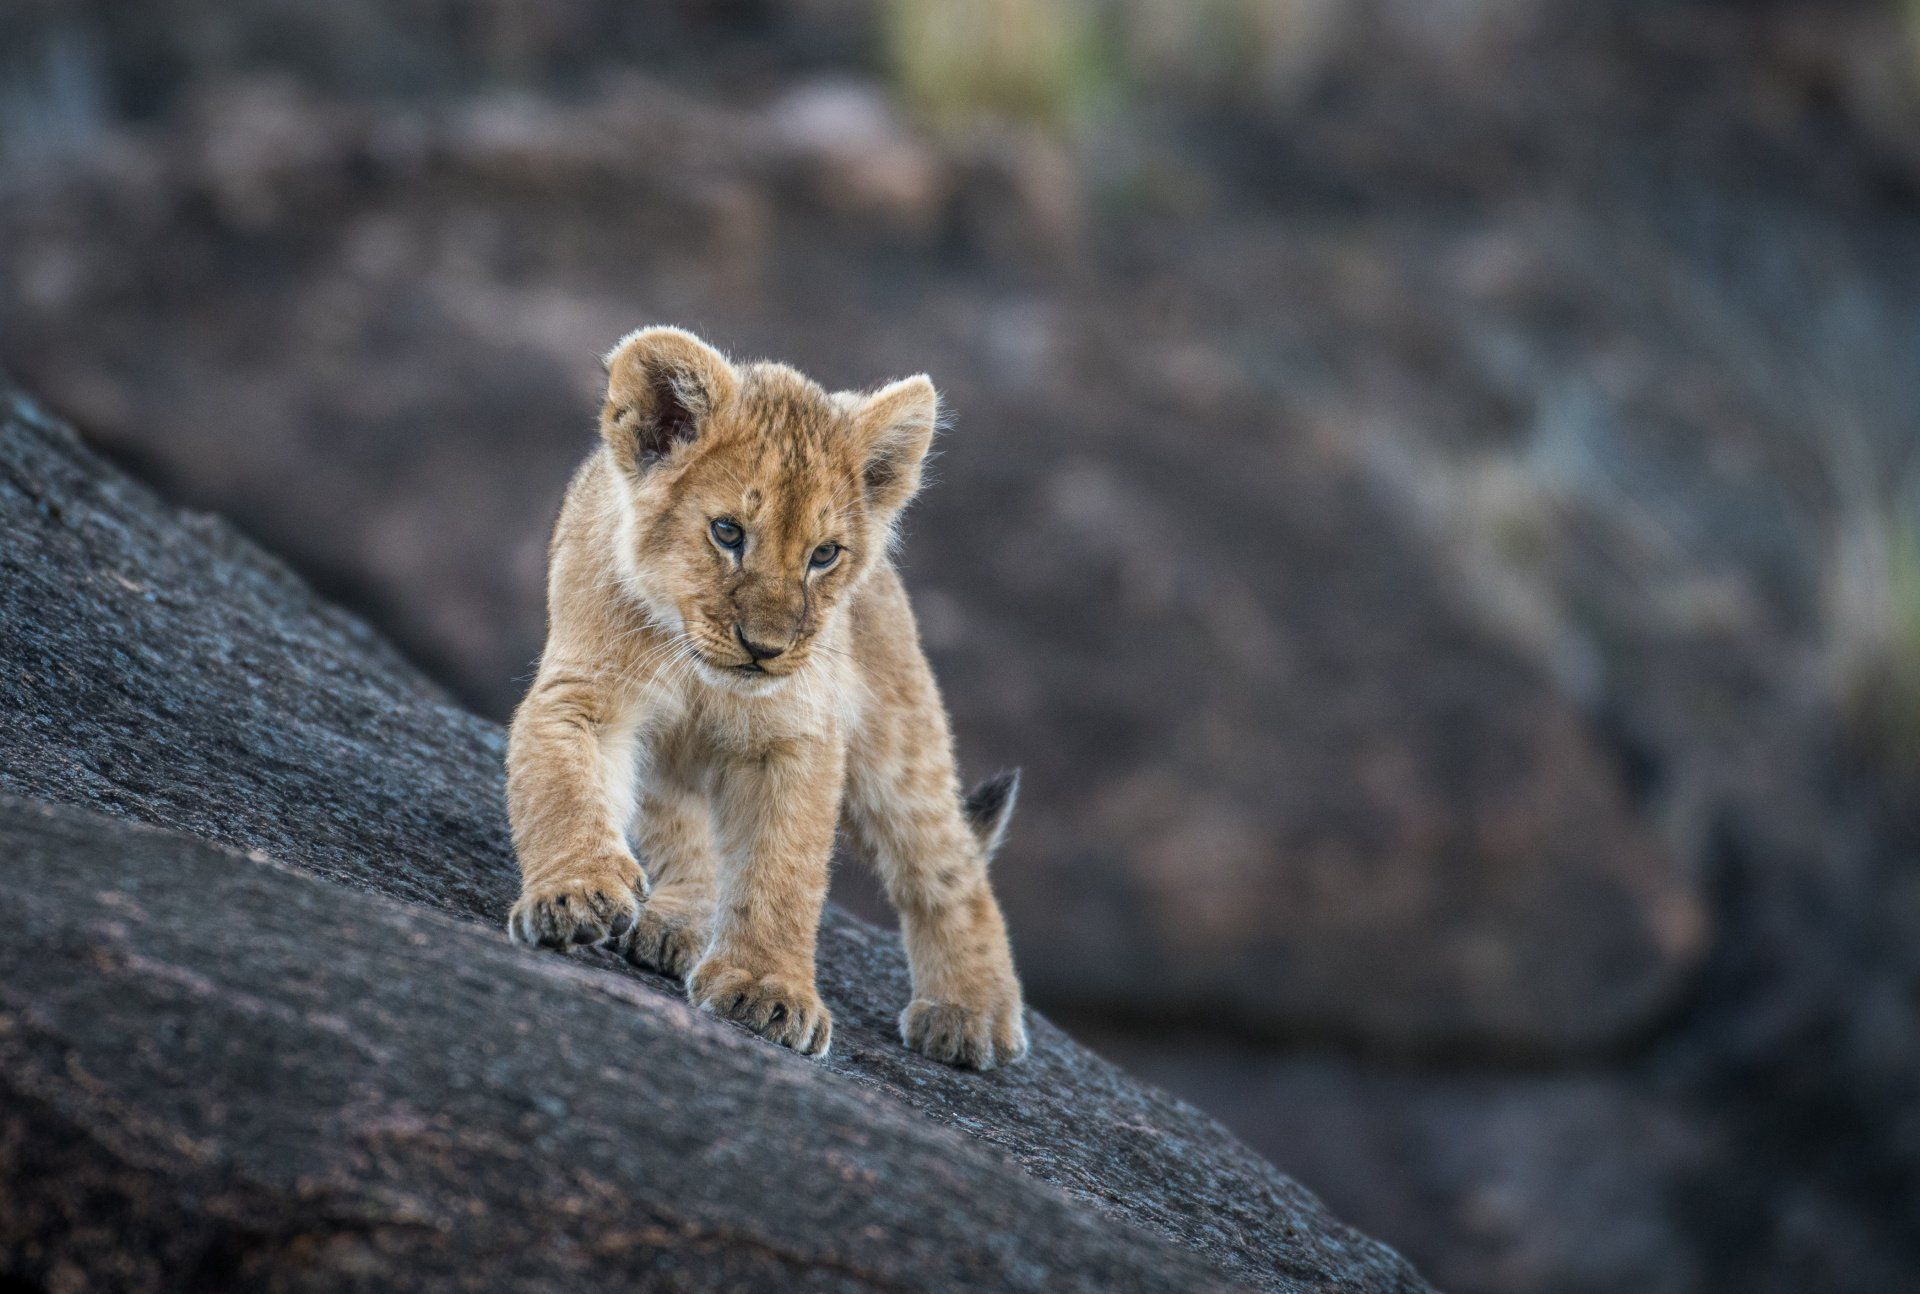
[825,555]
[728,534]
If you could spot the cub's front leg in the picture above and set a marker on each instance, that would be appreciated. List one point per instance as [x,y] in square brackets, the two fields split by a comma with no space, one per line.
[569,779]
[774,810]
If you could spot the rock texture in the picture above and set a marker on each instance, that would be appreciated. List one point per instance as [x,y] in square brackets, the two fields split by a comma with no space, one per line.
[230,1058]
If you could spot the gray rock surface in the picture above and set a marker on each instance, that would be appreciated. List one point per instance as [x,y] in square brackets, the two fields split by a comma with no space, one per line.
[236,1060]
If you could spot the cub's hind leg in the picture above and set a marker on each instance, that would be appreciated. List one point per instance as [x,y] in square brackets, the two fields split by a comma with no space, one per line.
[672,830]
[905,814]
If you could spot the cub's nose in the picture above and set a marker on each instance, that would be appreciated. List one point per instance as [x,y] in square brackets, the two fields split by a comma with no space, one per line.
[757,651]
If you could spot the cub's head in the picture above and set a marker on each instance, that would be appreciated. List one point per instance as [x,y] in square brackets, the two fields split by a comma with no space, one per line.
[752,501]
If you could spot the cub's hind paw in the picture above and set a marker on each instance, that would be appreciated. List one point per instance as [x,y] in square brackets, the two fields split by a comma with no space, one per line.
[971,1037]
[585,908]
[666,939]
[780,1010]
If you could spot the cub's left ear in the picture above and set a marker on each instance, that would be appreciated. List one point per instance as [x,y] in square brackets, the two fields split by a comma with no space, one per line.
[894,427]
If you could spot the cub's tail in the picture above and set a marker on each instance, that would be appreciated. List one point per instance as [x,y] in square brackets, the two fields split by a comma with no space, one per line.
[988,807]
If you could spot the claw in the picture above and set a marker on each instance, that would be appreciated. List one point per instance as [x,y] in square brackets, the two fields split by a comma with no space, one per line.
[549,916]
[783,1011]
[974,1037]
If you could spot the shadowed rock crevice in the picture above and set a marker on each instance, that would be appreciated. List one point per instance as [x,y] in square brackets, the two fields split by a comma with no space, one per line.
[237,1060]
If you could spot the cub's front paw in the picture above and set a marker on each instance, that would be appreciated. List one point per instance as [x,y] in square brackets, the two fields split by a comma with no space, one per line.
[583,908]
[973,1035]
[779,1009]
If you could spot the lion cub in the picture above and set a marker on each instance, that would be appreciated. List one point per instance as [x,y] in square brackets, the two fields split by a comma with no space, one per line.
[731,670]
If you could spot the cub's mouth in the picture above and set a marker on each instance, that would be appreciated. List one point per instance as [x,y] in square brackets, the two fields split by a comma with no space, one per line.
[749,679]
[756,670]
[750,675]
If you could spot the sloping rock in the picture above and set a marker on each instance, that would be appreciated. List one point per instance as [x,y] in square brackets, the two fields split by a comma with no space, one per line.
[217,1070]
[220,1069]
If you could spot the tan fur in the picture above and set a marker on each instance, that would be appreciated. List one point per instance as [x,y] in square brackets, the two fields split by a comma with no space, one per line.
[648,723]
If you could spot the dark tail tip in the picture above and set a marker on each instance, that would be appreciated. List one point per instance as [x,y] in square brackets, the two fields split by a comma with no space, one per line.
[989,806]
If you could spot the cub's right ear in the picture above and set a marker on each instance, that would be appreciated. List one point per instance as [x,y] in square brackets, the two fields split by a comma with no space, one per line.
[662,386]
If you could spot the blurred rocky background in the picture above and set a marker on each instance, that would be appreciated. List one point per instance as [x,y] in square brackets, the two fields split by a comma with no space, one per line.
[1433,502]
